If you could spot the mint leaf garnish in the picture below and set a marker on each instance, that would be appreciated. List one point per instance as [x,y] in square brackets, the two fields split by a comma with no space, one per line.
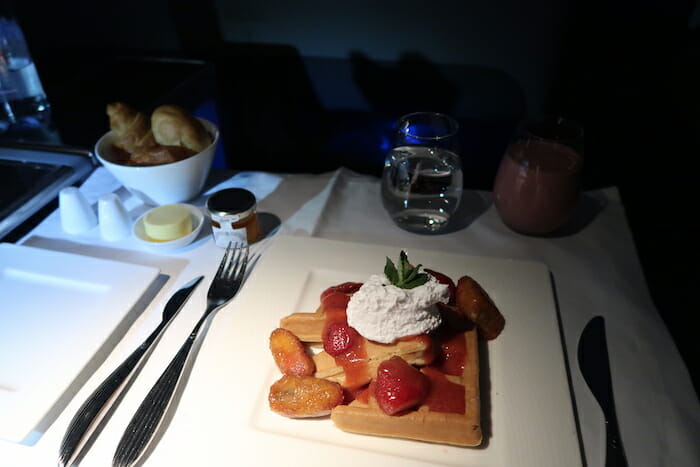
[390,271]
[405,276]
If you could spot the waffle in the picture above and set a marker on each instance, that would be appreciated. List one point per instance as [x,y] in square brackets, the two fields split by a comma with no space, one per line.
[433,421]
[308,327]
[422,424]
[416,351]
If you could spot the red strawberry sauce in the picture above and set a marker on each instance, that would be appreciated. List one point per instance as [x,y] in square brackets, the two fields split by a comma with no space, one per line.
[353,360]
[452,354]
[444,395]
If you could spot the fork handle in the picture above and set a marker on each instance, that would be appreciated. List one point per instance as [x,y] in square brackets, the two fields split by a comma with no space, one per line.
[150,413]
[97,401]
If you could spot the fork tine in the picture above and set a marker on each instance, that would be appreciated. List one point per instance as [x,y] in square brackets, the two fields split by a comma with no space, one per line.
[231,273]
[241,272]
[235,262]
[239,269]
[224,262]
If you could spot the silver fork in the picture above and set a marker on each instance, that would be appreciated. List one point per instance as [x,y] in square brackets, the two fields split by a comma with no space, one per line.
[143,425]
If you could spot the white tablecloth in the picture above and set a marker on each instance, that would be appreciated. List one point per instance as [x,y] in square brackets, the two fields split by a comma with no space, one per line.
[595,269]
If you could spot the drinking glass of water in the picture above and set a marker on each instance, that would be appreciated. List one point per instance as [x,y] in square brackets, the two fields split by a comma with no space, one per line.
[422,176]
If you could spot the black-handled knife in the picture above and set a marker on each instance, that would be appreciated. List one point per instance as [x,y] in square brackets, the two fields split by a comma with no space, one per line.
[96,404]
[595,367]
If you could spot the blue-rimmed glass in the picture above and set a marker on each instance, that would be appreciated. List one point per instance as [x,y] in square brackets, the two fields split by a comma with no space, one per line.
[422,176]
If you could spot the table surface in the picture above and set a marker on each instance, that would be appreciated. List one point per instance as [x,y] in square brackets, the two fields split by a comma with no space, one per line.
[594,265]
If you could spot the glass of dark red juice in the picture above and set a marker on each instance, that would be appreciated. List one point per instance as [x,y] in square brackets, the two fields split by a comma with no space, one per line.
[538,181]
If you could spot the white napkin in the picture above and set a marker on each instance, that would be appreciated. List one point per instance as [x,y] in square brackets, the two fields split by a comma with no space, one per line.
[259,183]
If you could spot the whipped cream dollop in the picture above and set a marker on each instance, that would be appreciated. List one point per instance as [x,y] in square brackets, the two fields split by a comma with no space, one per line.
[382,312]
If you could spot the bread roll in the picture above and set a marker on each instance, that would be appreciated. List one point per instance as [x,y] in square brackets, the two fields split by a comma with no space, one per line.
[174,126]
[131,127]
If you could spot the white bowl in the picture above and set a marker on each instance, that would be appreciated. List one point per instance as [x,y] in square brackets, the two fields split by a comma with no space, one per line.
[140,232]
[161,184]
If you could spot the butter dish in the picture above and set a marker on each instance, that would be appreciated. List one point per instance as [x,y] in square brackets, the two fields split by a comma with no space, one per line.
[139,231]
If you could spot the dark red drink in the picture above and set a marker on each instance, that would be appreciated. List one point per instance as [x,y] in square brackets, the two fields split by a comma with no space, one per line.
[537,185]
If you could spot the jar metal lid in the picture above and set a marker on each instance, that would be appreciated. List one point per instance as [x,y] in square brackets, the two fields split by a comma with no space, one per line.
[231,201]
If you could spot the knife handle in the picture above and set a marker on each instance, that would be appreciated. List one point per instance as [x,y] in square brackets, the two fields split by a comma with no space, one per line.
[149,414]
[94,404]
[615,454]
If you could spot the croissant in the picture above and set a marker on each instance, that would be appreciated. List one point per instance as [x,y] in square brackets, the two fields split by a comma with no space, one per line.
[131,127]
[157,155]
[174,126]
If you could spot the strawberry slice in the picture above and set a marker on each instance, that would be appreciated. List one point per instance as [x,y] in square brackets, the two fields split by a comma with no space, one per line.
[335,300]
[399,386]
[345,287]
[443,279]
[339,338]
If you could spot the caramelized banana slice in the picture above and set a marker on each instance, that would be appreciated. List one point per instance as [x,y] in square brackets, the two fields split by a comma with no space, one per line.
[475,304]
[304,396]
[289,354]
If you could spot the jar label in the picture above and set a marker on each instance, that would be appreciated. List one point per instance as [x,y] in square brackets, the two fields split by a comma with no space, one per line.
[226,233]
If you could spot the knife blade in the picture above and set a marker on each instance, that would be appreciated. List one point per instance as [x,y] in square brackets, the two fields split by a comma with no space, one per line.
[594,363]
[104,396]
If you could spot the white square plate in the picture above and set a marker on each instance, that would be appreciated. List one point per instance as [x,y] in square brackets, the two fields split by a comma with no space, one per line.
[57,311]
[527,410]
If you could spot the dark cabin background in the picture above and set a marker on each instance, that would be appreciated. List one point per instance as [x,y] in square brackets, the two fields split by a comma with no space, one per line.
[309,85]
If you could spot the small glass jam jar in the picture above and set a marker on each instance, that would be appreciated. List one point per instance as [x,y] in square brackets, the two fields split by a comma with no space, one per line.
[233,216]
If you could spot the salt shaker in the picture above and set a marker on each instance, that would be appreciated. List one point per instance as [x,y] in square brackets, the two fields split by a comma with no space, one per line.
[113,218]
[77,215]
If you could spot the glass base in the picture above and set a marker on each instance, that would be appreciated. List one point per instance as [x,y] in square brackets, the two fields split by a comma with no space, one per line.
[550,231]
[421,221]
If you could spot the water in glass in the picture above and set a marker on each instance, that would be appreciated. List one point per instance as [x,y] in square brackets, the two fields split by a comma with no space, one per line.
[421,187]
[23,102]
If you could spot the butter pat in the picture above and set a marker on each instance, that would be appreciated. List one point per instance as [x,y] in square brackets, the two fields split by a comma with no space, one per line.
[168,222]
